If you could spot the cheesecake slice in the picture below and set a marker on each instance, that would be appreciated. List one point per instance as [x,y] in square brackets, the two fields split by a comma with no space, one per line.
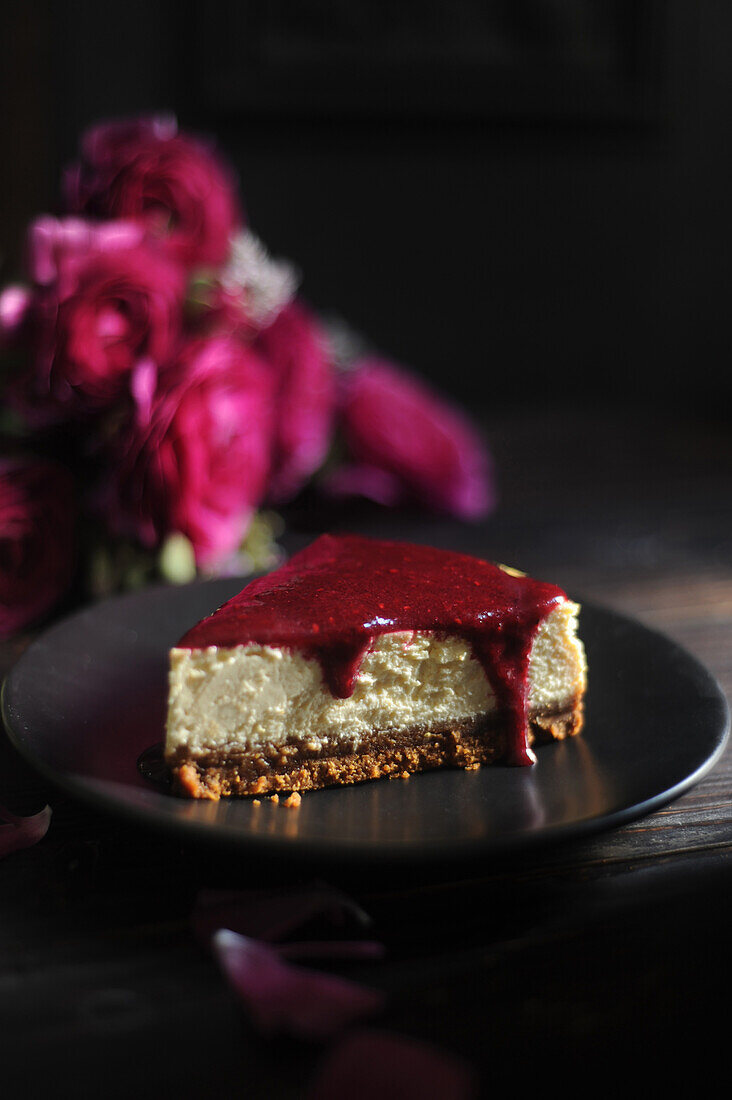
[360,659]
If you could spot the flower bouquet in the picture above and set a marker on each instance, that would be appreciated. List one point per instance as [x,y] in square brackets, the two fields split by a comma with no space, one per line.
[165,387]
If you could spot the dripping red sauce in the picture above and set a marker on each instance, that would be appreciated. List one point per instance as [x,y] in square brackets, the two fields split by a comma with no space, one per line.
[330,602]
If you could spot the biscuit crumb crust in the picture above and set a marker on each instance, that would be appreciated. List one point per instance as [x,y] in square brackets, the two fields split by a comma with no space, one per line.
[296,767]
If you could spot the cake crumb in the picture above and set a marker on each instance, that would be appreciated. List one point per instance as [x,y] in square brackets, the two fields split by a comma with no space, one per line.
[405,775]
[274,798]
[256,802]
[472,767]
[293,801]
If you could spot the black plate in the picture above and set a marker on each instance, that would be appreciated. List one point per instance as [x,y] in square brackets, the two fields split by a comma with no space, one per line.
[88,698]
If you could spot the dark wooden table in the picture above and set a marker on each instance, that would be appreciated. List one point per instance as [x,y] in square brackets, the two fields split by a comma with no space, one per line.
[595,952]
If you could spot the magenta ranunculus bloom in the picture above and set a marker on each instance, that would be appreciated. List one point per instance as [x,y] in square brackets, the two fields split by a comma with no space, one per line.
[295,348]
[174,184]
[104,298]
[196,457]
[37,540]
[405,444]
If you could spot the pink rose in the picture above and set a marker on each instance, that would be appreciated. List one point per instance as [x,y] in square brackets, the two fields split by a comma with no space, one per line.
[295,348]
[405,444]
[37,521]
[174,184]
[104,299]
[196,457]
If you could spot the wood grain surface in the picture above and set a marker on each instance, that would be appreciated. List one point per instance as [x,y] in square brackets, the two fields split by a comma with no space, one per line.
[604,951]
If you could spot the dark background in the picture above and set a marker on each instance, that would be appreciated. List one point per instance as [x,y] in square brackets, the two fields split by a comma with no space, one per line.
[518,199]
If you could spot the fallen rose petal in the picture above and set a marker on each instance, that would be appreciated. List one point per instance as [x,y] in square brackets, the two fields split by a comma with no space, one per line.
[392,1067]
[22,832]
[284,998]
[14,305]
[332,949]
[273,914]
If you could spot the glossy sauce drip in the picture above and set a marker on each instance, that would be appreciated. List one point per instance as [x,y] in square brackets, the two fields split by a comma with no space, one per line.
[332,600]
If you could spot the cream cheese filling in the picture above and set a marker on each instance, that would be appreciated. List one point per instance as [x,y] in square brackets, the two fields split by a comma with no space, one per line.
[247,697]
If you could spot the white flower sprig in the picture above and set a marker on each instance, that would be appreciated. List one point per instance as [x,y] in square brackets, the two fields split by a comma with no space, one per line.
[265,284]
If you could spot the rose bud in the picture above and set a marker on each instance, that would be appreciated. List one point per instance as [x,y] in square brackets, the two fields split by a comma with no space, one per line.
[406,445]
[104,298]
[173,184]
[295,348]
[196,456]
[37,543]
